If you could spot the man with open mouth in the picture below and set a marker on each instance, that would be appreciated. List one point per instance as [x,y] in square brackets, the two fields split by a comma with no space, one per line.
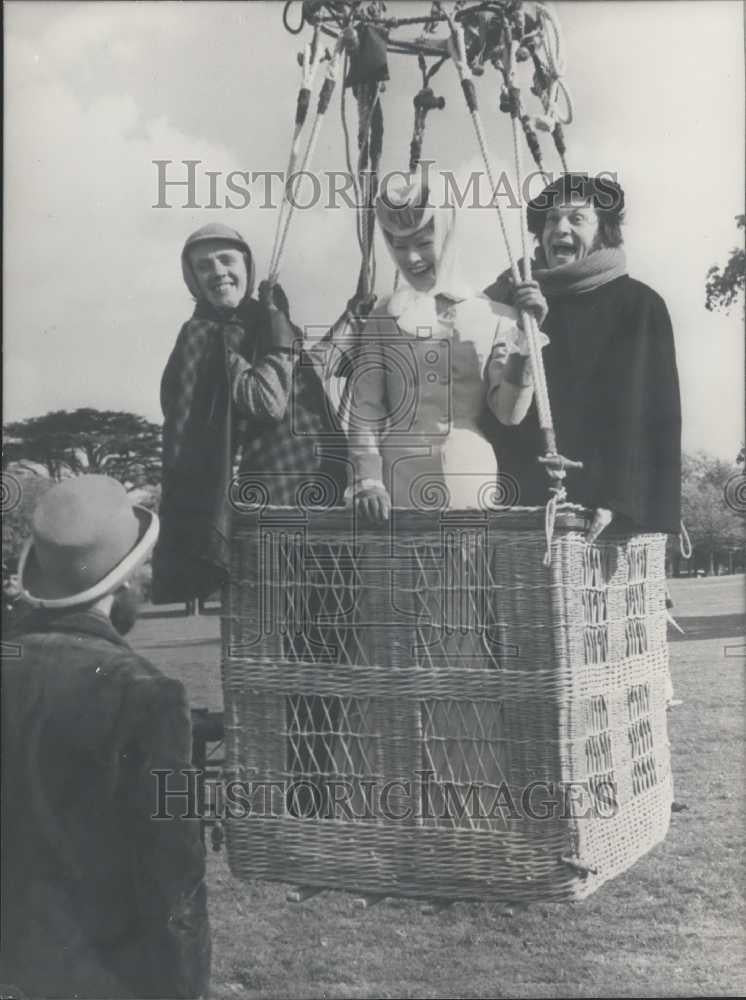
[610,366]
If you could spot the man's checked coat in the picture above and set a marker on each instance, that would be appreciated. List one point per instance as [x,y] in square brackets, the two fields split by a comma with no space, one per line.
[246,422]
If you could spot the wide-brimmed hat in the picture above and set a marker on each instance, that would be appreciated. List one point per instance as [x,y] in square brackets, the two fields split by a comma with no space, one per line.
[215,231]
[87,538]
[606,196]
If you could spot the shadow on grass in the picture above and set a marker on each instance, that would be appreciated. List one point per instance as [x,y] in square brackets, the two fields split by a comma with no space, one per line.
[169,611]
[708,627]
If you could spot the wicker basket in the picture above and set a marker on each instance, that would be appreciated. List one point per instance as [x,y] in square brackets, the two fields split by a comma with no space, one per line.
[425,709]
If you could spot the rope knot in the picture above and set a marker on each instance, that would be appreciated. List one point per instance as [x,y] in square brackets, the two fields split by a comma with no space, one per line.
[557,466]
[559,495]
[425,100]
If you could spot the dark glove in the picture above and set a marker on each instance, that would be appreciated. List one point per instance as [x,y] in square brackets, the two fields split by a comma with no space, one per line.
[281,332]
[279,298]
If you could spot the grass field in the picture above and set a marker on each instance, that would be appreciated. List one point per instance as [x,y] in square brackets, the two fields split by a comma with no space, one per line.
[674,925]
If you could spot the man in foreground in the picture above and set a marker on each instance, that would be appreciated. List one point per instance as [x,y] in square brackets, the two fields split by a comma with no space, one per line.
[99,899]
[610,366]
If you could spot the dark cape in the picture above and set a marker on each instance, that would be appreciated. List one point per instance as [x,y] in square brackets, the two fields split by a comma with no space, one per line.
[202,433]
[614,391]
[192,556]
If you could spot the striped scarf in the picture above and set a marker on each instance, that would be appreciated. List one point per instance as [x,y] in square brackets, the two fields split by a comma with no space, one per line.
[576,278]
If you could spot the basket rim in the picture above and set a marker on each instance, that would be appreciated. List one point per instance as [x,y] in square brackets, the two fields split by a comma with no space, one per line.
[569,518]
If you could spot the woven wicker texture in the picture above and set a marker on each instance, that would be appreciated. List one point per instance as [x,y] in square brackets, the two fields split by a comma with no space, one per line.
[425,709]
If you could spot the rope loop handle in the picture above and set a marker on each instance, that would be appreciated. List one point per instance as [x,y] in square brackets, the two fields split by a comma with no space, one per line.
[286,23]
[685,543]
[553,44]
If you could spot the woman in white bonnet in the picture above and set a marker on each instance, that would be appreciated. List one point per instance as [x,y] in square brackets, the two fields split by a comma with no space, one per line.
[431,355]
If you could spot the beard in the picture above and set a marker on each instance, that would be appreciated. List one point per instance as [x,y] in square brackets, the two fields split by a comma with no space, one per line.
[125,608]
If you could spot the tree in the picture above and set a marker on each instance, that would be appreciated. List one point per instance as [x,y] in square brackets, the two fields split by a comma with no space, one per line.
[713,524]
[703,469]
[724,286]
[119,444]
[22,493]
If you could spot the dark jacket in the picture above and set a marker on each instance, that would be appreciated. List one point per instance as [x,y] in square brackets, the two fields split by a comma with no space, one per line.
[614,391]
[98,899]
[192,555]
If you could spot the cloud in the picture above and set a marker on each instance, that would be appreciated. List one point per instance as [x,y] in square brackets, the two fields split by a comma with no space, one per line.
[93,282]
[96,92]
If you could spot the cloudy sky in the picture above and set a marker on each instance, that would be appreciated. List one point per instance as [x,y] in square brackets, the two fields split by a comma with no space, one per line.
[96,92]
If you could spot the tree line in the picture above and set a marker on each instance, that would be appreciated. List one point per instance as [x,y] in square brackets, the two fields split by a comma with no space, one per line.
[42,450]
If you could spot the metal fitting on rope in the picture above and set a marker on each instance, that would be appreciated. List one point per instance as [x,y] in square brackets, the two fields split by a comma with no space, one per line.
[467,85]
[558,135]
[558,463]
[301,110]
[325,94]
[533,142]
[512,100]
[425,100]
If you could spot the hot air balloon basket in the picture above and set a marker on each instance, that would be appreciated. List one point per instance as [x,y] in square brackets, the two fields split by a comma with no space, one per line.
[424,708]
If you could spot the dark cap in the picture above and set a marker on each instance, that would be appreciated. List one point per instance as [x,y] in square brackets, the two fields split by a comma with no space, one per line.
[215,231]
[602,192]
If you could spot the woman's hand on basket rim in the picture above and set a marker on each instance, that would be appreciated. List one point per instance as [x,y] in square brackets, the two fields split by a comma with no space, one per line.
[528,297]
[374,503]
[602,518]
